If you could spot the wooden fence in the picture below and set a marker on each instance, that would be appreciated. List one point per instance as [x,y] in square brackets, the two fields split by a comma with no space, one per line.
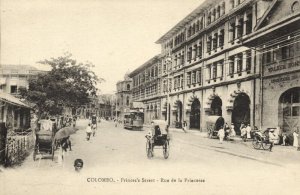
[17,148]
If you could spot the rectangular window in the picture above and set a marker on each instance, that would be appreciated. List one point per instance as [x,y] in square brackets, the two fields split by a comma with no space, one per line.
[231,4]
[188,78]
[248,61]
[209,40]
[221,38]
[215,41]
[200,50]
[190,54]
[214,69]
[193,77]
[287,52]
[13,89]
[199,76]
[239,63]
[249,24]
[231,65]
[231,32]
[240,27]
[195,51]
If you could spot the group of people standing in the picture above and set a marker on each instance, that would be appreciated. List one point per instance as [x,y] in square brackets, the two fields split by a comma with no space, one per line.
[225,132]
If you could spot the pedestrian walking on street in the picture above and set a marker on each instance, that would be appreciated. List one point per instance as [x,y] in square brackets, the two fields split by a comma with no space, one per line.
[88,132]
[184,126]
[272,138]
[221,134]
[116,122]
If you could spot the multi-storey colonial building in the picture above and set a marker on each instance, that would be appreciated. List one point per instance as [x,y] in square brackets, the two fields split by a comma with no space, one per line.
[211,72]
[123,97]
[147,88]
[207,69]
[277,42]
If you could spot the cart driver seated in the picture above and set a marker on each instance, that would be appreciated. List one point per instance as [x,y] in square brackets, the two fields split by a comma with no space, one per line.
[157,135]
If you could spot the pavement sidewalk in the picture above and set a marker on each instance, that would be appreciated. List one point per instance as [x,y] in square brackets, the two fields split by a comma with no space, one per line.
[239,140]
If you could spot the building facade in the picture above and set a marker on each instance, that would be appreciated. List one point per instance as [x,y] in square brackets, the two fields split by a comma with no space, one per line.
[147,88]
[277,42]
[13,77]
[211,73]
[123,97]
[106,106]
[206,68]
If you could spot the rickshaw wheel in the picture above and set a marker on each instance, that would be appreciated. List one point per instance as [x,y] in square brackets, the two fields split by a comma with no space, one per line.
[149,149]
[266,145]
[166,149]
[256,143]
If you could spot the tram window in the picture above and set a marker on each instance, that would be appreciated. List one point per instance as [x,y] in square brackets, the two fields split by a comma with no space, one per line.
[296,111]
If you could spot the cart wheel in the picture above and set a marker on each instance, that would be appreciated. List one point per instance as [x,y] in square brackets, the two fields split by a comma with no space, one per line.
[266,145]
[256,143]
[166,149]
[149,149]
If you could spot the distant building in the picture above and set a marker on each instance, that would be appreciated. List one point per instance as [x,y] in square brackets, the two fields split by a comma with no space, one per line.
[106,106]
[147,90]
[123,96]
[13,77]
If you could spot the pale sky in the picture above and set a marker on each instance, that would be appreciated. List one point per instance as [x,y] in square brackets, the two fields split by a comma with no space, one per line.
[115,35]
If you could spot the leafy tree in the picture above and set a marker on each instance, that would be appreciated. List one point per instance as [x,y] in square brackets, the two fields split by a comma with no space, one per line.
[68,84]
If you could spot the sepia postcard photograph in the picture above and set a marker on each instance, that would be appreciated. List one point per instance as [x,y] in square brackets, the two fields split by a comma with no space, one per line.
[150,97]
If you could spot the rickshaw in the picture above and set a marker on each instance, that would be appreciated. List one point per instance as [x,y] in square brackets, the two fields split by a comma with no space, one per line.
[44,142]
[159,137]
[213,124]
[261,139]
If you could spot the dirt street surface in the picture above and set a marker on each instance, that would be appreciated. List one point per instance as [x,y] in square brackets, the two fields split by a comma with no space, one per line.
[115,162]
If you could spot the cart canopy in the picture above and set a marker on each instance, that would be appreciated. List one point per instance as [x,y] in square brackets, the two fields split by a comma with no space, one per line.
[45,125]
[214,122]
[162,125]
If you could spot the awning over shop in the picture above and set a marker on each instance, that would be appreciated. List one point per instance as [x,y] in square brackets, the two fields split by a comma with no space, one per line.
[12,100]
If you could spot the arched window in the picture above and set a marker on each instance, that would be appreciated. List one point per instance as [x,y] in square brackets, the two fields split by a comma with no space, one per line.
[127,101]
[128,86]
